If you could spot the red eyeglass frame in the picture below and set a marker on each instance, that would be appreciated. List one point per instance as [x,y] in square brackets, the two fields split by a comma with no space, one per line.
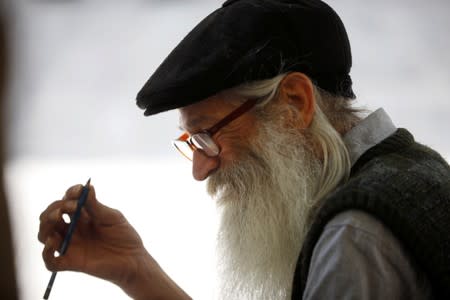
[187,138]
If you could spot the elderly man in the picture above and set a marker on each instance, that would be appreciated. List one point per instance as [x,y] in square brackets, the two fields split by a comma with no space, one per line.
[317,202]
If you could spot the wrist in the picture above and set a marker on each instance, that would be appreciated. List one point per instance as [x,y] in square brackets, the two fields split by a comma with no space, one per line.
[150,282]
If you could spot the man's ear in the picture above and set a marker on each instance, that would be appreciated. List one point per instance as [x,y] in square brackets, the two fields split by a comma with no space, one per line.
[296,89]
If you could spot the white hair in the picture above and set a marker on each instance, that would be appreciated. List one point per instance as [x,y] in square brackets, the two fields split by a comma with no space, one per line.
[264,203]
[335,157]
[268,196]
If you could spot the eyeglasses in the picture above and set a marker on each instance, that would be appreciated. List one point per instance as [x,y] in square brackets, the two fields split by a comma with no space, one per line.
[203,140]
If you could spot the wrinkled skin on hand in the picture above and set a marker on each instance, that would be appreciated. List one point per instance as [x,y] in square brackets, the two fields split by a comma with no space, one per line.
[104,244]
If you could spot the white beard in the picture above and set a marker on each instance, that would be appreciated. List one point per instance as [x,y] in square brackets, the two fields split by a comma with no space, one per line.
[264,199]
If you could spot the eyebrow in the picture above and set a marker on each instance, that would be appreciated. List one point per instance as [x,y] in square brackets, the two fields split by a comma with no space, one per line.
[193,124]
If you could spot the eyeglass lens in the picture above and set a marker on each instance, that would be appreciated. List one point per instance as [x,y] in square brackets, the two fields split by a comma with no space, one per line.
[201,141]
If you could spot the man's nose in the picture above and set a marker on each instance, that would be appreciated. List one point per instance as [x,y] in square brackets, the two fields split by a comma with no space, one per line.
[203,165]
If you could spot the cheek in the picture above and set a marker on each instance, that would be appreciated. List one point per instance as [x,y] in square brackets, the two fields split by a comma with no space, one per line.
[235,147]
[232,149]
[234,140]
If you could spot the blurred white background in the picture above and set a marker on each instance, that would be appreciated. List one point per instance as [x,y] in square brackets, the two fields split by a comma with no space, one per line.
[77,68]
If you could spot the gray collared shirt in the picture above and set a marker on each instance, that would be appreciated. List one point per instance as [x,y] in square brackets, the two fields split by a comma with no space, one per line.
[357,257]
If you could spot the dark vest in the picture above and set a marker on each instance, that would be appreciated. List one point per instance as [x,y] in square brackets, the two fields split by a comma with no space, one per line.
[406,186]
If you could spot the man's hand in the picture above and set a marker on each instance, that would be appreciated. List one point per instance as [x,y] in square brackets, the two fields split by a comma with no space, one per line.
[104,245]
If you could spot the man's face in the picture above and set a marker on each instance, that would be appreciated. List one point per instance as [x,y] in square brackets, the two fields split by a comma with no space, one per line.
[263,180]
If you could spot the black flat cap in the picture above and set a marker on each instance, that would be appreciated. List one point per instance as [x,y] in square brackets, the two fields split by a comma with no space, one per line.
[248,40]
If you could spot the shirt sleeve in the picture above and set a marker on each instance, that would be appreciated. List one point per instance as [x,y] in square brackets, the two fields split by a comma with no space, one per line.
[357,257]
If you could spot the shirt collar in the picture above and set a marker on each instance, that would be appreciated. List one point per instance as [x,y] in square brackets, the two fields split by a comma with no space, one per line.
[369,132]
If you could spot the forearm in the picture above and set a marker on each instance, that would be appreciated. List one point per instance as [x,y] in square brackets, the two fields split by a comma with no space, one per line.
[150,282]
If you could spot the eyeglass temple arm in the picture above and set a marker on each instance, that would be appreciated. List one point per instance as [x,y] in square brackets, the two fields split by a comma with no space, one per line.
[233,115]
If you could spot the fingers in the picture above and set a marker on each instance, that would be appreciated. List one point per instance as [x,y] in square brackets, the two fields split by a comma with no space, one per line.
[53,228]
[52,261]
[92,204]
[51,220]
[74,192]
[99,212]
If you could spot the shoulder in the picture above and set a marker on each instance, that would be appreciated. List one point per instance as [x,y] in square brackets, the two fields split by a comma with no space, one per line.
[357,256]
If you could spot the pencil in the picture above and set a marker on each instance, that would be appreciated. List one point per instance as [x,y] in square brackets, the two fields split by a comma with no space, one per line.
[65,243]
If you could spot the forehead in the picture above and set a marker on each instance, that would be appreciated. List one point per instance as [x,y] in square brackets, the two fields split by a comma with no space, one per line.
[208,111]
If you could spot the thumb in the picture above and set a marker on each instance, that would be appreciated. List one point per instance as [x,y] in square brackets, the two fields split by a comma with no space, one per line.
[101,213]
